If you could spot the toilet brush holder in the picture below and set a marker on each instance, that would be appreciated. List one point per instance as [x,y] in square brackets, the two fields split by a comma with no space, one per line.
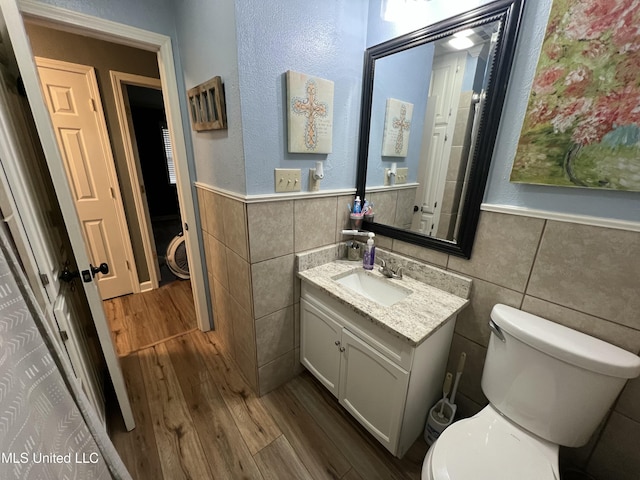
[436,423]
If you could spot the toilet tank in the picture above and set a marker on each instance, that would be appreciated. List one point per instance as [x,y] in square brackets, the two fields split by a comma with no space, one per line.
[551,380]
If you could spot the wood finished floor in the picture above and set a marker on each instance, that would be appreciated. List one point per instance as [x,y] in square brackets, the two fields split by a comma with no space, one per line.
[141,320]
[197,419]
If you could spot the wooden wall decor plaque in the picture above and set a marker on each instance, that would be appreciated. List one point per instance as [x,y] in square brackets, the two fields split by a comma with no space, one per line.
[206,106]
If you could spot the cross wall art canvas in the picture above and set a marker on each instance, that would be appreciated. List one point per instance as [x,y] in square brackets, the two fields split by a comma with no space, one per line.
[397,126]
[309,113]
[582,126]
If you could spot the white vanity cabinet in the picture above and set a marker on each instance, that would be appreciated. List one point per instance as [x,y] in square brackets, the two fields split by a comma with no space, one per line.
[385,382]
[320,340]
[372,388]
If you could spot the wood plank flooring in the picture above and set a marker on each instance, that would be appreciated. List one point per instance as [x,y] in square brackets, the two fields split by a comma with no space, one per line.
[143,319]
[196,418]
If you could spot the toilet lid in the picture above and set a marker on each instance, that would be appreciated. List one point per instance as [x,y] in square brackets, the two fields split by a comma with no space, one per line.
[482,450]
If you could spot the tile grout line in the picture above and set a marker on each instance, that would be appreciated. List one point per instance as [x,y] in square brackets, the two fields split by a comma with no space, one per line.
[535,257]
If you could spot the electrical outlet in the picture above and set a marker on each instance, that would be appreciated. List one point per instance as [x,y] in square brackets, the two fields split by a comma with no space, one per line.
[287,180]
[402,175]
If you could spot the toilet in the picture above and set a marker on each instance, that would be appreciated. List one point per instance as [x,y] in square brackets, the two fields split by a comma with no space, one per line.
[547,385]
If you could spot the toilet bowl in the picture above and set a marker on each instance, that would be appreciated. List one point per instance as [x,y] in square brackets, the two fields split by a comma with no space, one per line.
[547,385]
[490,447]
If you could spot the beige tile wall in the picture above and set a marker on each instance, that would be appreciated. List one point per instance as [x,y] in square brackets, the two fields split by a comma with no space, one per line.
[392,207]
[250,261]
[224,232]
[581,276]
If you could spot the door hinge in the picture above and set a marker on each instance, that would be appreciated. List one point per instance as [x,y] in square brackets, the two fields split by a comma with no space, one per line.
[435,205]
[64,335]
[44,279]
[142,191]
[113,195]
[128,265]
[446,137]
[93,105]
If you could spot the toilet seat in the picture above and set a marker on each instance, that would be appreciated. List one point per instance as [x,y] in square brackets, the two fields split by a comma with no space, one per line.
[489,447]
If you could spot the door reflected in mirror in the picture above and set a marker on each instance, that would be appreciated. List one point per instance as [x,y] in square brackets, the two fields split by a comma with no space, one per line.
[443,82]
[430,116]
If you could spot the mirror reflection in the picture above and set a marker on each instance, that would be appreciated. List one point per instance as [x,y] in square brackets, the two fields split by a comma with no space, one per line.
[424,115]
[431,105]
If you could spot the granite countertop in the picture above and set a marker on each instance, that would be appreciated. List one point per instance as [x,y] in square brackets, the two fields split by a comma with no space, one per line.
[414,318]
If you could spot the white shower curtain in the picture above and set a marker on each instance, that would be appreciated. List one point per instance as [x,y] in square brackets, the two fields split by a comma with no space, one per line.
[47,427]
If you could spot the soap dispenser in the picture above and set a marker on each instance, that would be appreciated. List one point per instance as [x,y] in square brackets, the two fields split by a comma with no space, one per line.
[369,253]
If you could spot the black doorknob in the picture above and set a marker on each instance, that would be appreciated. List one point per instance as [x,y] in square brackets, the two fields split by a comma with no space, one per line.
[103,268]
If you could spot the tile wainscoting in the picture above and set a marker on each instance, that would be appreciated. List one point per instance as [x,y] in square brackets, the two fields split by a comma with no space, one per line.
[585,277]
[250,247]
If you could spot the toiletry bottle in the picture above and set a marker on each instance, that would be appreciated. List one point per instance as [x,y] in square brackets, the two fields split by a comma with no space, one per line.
[369,253]
[357,207]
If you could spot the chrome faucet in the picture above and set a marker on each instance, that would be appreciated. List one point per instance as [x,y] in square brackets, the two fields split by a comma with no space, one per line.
[389,272]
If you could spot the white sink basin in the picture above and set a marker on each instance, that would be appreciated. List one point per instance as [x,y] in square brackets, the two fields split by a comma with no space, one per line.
[379,290]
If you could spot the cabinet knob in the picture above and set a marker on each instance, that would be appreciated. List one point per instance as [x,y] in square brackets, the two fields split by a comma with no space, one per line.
[337,342]
[342,349]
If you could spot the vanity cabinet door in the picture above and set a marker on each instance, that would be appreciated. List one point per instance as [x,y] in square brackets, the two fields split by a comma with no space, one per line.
[320,338]
[373,389]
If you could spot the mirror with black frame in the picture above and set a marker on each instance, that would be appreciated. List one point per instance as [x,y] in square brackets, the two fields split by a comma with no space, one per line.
[431,105]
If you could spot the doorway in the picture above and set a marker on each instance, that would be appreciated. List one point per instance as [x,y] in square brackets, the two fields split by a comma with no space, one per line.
[155,155]
[13,17]
[145,175]
[89,27]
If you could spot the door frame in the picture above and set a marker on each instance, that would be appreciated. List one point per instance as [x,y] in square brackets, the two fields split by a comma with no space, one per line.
[95,27]
[118,81]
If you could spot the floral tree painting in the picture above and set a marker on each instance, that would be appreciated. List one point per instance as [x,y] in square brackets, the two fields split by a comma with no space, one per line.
[582,126]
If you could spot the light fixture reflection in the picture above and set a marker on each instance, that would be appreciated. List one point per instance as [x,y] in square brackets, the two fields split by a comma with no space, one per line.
[461,43]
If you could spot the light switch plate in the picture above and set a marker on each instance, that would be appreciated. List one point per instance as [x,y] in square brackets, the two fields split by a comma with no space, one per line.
[402,175]
[287,180]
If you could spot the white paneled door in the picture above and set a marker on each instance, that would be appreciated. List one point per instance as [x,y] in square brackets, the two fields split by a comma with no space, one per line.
[73,100]
[440,121]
